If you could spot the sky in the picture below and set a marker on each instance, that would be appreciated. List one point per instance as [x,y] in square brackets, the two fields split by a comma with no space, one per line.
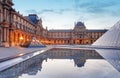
[62,14]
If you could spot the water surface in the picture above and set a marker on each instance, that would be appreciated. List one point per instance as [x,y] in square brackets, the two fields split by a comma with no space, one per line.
[66,63]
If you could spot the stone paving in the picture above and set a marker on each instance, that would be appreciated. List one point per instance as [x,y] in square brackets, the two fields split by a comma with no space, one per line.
[12,52]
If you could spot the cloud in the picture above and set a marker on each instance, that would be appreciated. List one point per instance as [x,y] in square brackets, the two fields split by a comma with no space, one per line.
[60,11]
[96,3]
[95,13]
[46,10]
[32,11]
[98,6]
[57,11]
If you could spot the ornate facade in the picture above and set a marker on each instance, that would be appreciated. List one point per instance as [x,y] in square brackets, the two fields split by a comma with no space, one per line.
[16,29]
[78,35]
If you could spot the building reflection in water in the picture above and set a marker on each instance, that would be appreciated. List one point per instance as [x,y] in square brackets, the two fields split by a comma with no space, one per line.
[79,56]
[30,66]
[33,65]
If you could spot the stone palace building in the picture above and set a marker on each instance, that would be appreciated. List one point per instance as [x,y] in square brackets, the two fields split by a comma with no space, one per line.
[16,29]
[78,35]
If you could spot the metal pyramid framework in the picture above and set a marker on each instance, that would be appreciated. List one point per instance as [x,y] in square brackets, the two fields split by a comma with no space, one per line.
[34,43]
[111,38]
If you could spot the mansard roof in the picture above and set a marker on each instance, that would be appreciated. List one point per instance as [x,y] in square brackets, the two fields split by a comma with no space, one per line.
[97,30]
[79,24]
[33,18]
[27,18]
[60,30]
[100,30]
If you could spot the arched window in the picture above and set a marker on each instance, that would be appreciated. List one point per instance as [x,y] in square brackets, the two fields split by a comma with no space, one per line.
[0,15]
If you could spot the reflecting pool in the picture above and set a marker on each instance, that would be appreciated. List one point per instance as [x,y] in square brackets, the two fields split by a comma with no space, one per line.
[68,63]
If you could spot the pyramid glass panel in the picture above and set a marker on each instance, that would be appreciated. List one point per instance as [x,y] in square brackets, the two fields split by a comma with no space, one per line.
[111,38]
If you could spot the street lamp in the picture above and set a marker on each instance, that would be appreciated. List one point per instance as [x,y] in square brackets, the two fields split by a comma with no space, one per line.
[21,39]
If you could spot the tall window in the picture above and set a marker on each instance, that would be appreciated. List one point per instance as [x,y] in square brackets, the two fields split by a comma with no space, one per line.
[0,15]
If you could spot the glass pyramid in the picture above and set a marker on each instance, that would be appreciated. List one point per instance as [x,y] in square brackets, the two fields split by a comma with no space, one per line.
[34,43]
[111,38]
